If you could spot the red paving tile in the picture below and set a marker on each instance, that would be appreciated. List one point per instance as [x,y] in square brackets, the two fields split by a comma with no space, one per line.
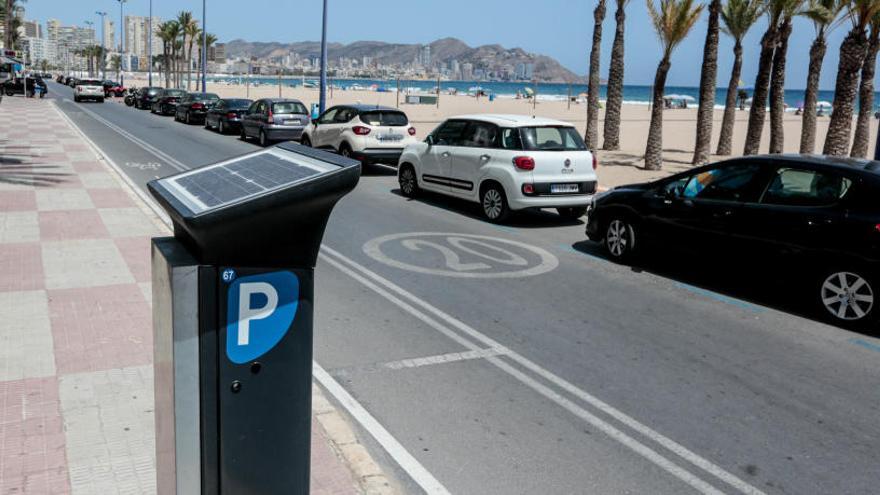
[136,253]
[110,198]
[74,224]
[18,201]
[88,166]
[32,454]
[21,266]
[100,328]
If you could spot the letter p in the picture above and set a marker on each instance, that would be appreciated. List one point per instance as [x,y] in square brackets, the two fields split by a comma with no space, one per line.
[246,313]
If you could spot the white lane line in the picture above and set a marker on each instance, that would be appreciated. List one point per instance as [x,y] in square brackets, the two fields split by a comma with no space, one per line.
[407,462]
[398,452]
[149,148]
[486,341]
[452,357]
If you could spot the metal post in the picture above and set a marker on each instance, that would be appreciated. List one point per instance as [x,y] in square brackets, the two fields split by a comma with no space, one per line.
[103,46]
[150,47]
[877,146]
[438,91]
[569,96]
[204,47]
[322,101]
[397,94]
[121,39]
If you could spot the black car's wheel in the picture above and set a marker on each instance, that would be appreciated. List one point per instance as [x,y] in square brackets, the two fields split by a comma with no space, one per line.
[9,92]
[187,119]
[494,203]
[849,296]
[572,212]
[305,141]
[620,238]
[207,126]
[409,185]
[220,127]
[75,98]
[243,135]
[264,141]
[100,100]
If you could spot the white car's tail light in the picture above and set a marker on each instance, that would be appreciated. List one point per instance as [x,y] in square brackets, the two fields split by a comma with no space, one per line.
[595,161]
[412,131]
[360,130]
[524,162]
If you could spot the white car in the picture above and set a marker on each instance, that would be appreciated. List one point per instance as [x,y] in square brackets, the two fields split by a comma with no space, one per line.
[505,163]
[369,133]
[89,89]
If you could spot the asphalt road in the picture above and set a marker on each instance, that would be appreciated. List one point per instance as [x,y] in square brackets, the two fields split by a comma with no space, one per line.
[545,368]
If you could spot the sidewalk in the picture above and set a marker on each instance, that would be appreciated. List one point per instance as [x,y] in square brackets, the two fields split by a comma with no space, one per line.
[76,379]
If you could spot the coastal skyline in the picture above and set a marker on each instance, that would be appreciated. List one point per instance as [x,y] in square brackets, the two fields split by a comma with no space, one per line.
[402,22]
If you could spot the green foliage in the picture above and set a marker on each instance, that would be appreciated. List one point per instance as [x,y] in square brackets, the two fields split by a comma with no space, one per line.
[674,21]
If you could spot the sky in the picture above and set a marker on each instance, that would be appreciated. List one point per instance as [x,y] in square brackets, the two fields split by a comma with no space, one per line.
[558,28]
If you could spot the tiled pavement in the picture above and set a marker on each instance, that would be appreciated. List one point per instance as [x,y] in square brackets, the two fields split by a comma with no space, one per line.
[76,380]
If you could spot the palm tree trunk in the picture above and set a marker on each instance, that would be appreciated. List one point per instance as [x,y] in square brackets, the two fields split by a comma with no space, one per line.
[708,76]
[777,89]
[726,139]
[808,126]
[189,65]
[866,101]
[852,55]
[758,110]
[614,99]
[592,135]
[7,29]
[654,148]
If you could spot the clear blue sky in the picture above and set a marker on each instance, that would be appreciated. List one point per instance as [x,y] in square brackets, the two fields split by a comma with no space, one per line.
[559,28]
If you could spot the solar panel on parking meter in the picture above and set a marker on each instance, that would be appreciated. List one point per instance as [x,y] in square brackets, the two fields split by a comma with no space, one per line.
[233,298]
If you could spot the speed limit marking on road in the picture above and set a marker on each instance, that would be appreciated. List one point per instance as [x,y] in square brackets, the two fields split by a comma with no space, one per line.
[460,255]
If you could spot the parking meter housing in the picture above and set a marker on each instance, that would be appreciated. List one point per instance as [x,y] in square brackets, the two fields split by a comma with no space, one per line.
[233,298]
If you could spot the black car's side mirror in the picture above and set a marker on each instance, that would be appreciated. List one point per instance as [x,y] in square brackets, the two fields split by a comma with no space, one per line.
[430,140]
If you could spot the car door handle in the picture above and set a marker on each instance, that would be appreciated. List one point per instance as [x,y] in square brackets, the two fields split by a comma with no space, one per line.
[723,213]
[445,154]
[485,157]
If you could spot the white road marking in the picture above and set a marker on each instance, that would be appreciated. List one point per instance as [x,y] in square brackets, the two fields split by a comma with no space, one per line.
[352,268]
[398,452]
[452,357]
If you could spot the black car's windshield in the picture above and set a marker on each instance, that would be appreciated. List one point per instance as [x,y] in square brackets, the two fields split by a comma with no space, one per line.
[388,118]
[204,97]
[176,93]
[289,107]
[551,138]
[238,104]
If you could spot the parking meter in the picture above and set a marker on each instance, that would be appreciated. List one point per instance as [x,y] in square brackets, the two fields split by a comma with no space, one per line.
[232,319]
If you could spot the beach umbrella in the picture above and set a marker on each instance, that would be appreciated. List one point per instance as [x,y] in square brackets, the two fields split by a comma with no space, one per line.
[823,104]
[529,91]
[672,97]
[686,98]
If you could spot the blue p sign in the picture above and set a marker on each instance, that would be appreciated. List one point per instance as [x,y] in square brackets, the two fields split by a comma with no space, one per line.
[260,310]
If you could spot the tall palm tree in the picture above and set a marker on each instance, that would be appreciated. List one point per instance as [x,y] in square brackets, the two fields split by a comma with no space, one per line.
[592,135]
[192,32]
[211,39]
[738,17]
[789,9]
[708,76]
[866,92]
[174,30]
[758,110]
[614,98]
[672,22]
[852,56]
[186,21]
[825,15]
[167,32]
[116,64]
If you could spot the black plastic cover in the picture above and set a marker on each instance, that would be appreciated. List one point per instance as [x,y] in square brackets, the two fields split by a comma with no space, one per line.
[245,218]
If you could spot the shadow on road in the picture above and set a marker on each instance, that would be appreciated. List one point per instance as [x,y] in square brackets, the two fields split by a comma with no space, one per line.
[729,279]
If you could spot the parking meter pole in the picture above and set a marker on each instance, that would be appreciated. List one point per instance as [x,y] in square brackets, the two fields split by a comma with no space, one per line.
[322,100]
[150,47]
[233,296]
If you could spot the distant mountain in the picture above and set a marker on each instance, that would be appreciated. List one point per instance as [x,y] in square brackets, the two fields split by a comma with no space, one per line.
[486,57]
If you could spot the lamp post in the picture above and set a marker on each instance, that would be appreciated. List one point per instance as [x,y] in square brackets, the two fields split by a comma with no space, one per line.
[322,102]
[103,46]
[121,38]
[150,47]
[204,47]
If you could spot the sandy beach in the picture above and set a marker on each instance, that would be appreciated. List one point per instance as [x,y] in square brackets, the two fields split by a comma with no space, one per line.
[616,167]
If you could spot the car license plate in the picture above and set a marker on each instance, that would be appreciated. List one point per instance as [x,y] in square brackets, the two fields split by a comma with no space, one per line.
[563,188]
[292,122]
[389,137]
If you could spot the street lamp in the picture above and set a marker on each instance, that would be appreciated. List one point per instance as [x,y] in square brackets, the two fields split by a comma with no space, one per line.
[121,38]
[150,47]
[103,46]
[322,102]
[204,47]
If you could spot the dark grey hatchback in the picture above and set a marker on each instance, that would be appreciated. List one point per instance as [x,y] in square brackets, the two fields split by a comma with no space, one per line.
[813,219]
[274,119]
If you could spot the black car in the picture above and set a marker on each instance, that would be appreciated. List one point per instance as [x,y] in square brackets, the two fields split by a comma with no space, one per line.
[194,106]
[60,79]
[146,96]
[165,103]
[72,81]
[16,86]
[811,221]
[226,114]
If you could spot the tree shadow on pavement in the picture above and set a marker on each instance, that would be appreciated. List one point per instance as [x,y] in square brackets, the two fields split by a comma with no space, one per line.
[713,276]
[18,167]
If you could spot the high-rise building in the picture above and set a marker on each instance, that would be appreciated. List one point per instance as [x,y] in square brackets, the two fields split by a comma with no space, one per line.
[217,53]
[426,56]
[136,34]
[109,34]
[32,29]
[39,49]
[467,71]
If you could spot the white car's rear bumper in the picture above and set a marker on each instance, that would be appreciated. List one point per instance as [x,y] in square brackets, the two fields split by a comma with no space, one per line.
[521,202]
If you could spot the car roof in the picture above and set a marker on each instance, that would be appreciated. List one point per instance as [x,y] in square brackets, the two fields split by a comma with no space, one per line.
[360,107]
[280,100]
[839,162]
[512,120]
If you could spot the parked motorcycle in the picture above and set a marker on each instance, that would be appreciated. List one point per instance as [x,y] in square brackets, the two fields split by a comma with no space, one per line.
[130,97]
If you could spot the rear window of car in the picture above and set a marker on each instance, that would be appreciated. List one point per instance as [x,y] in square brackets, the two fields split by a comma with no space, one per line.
[89,82]
[289,107]
[238,104]
[551,138]
[385,118]
[176,93]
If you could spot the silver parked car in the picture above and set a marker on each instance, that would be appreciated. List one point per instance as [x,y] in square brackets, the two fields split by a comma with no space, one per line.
[274,119]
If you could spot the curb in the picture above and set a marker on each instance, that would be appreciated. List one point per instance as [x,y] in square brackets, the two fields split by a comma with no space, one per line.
[335,428]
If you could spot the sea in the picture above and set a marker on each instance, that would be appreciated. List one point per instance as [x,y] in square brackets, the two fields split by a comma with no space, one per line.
[632,94]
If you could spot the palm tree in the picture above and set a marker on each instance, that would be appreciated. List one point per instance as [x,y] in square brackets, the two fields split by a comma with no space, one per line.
[738,17]
[777,82]
[866,92]
[173,30]
[592,135]
[672,22]
[852,56]
[614,98]
[708,76]
[758,110]
[167,32]
[825,16]
[192,32]
[211,39]
[11,22]
[116,64]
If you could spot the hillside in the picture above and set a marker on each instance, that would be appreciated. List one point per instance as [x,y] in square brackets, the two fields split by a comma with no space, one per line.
[485,57]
